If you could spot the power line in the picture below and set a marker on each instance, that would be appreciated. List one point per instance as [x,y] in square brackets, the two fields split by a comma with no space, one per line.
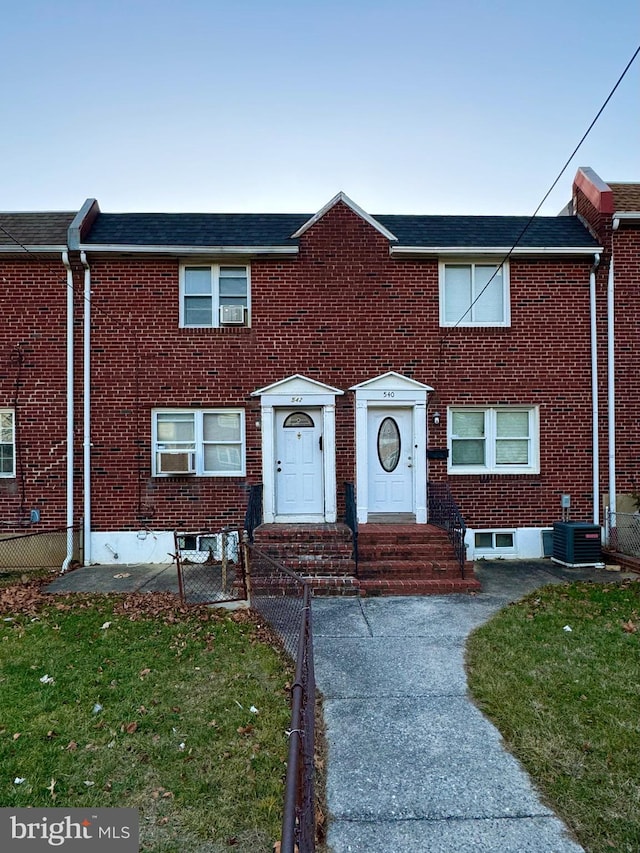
[549,191]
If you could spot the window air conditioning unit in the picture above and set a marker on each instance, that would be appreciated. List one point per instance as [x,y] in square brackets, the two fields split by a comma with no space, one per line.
[232,315]
[176,462]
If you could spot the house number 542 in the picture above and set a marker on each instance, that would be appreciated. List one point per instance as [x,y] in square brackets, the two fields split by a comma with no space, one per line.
[296,399]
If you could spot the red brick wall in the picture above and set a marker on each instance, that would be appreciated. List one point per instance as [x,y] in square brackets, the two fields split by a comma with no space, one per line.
[342,312]
[33,382]
[625,242]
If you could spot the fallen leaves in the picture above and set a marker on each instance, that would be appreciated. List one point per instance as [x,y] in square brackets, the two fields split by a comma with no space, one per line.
[129,728]
[629,627]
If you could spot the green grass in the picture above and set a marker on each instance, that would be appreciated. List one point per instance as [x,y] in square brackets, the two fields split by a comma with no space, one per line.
[568,702]
[175,737]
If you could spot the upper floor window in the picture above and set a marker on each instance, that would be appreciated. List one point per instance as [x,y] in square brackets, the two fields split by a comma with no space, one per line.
[207,442]
[496,440]
[214,295]
[474,294]
[7,443]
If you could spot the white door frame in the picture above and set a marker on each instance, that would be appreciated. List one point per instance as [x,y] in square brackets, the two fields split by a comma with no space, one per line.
[392,391]
[298,392]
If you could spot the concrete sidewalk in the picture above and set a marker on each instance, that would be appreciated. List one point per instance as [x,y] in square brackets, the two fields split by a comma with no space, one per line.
[413,765]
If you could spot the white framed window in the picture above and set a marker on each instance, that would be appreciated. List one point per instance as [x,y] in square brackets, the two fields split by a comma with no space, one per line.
[7,443]
[201,442]
[499,440]
[213,295]
[474,293]
[494,540]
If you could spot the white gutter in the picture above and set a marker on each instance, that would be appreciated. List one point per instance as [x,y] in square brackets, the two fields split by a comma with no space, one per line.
[70,513]
[190,250]
[595,417]
[494,250]
[86,384]
[611,381]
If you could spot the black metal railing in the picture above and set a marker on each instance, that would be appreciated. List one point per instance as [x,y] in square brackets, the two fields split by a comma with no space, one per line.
[253,515]
[351,518]
[445,513]
[283,600]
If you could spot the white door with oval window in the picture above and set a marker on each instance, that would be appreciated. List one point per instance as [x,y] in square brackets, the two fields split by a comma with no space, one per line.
[299,490]
[390,460]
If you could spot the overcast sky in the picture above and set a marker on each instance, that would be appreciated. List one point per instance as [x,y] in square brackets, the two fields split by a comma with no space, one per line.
[274,105]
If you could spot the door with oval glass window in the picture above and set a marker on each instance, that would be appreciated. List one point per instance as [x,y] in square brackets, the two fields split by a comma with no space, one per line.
[390,460]
[299,490]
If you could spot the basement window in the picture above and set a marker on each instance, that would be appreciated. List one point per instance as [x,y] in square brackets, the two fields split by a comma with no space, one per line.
[494,540]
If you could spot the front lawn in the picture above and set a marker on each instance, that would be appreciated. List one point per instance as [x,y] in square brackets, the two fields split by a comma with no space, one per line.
[559,675]
[135,702]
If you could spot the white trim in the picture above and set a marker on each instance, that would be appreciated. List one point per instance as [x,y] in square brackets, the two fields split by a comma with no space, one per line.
[294,386]
[23,249]
[392,390]
[198,440]
[354,207]
[8,410]
[626,214]
[214,268]
[464,320]
[190,250]
[490,467]
[298,391]
[492,251]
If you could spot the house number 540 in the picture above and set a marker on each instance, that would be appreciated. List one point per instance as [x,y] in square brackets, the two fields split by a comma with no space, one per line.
[388,393]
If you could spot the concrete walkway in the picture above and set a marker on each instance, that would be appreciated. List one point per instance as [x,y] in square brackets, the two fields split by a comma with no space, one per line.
[413,765]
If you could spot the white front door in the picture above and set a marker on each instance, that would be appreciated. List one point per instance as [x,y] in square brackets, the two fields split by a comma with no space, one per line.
[390,460]
[299,489]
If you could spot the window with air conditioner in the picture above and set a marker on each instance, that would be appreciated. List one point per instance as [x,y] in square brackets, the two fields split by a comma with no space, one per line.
[496,440]
[202,442]
[474,293]
[7,443]
[214,295]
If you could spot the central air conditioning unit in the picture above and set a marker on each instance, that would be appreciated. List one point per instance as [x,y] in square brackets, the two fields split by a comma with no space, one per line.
[576,543]
[232,315]
[176,462]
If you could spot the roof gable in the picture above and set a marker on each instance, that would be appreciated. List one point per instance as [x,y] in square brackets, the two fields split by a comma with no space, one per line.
[295,386]
[341,197]
[391,381]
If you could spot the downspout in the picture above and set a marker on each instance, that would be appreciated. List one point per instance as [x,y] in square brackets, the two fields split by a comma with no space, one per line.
[86,384]
[611,379]
[594,390]
[70,484]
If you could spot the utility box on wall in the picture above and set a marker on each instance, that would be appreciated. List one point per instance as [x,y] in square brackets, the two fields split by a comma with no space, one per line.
[576,543]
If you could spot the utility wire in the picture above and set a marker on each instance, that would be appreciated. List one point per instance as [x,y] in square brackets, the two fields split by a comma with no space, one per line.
[549,191]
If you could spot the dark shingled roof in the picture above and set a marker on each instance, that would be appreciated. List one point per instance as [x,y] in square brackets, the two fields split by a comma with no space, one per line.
[487,231]
[275,229]
[196,229]
[34,229]
[626,197]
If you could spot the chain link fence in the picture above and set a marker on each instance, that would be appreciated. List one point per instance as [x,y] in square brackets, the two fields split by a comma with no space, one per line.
[283,600]
[624,533]
[20,552]
[210,567]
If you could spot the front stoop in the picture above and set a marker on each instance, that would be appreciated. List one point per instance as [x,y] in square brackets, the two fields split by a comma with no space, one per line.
[394,559]
[409,559]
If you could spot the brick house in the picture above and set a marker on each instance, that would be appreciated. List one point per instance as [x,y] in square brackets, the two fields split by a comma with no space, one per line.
[303,352]
[612,212]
